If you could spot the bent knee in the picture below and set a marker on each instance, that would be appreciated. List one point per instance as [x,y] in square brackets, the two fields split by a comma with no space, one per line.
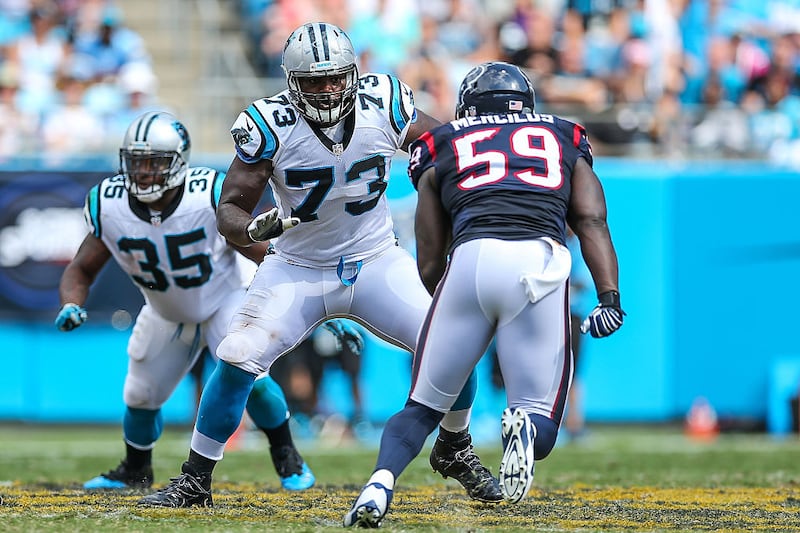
[140,394]
[239,347]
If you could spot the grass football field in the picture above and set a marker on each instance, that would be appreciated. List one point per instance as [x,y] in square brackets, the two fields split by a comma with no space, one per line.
[646,478]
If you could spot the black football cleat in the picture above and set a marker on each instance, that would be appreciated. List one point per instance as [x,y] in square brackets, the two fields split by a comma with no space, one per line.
[186,490]
[457,459]
[122,477]
[293,471]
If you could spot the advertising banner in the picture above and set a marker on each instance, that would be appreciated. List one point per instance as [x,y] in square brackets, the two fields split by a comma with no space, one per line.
[41,228]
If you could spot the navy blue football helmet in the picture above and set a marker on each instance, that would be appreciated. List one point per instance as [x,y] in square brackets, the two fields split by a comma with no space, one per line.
[495,88]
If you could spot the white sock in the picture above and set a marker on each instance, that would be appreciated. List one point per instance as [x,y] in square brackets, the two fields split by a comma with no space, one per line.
[456,421]
[384,477]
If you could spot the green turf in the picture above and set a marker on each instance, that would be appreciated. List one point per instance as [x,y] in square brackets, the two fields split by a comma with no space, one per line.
[618,479]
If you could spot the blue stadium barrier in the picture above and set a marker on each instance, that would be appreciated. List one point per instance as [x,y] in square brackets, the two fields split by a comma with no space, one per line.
[708,253]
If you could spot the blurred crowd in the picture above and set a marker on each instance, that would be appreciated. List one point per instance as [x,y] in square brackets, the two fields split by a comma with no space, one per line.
[646,77]
[72,77]
[675,78]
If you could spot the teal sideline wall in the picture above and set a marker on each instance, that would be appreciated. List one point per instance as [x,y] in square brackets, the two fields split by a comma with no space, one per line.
[709,255]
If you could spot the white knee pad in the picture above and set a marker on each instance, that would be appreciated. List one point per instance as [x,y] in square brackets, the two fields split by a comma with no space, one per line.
[239,346]
[138,393]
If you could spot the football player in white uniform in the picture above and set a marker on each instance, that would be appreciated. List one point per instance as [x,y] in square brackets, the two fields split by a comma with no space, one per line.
[157,219]
[324,146]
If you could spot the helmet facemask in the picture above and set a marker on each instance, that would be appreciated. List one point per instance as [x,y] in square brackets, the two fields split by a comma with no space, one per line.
[149,174]
[325,108]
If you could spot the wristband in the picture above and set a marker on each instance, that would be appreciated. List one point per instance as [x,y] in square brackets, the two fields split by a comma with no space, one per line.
[609,299]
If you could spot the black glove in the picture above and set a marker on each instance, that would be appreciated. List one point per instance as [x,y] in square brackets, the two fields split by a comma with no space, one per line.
[345,334]
[606,318]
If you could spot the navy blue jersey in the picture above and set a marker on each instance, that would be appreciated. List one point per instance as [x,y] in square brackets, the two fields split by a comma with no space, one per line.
[503,176]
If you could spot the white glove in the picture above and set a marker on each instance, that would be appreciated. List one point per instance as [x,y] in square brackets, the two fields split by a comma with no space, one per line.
[267,225]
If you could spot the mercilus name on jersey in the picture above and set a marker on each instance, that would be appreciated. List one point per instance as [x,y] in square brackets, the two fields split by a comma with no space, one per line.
[510,118]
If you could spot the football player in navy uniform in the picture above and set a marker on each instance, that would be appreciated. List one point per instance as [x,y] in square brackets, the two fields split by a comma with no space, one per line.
[325,147]
[157,220]
[497,187]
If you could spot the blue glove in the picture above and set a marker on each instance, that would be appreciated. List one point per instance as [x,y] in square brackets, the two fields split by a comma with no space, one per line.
[347,334]
[70,317]
[606,317]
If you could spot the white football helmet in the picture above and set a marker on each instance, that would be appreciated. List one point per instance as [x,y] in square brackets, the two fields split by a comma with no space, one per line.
[154,155]
[314,54]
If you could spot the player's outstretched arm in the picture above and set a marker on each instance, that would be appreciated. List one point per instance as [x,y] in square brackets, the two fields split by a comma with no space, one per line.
[73,289]
[423,123]
[587,217]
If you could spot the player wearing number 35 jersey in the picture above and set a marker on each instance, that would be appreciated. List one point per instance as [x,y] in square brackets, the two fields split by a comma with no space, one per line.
[497,187]
[176,256]
[157,219]
[324,146]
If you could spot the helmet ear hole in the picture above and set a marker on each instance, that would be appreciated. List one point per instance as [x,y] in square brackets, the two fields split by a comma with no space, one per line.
[495,88]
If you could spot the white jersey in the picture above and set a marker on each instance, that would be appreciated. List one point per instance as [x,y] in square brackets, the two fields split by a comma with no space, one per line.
[336,189]
[177,258]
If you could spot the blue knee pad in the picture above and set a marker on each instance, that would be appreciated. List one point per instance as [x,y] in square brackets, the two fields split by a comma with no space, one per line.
[467,396]
[546,433]
[267,405]
[223,402]
[142,427]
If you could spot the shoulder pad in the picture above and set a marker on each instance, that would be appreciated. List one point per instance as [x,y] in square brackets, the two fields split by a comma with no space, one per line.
[254,132]
[389,95]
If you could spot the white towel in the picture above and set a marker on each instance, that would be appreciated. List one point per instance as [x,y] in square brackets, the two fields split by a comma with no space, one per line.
[555,273]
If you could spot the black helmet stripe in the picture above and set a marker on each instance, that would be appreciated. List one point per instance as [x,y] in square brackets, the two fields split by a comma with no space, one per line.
[323,30]
[313,38]
[142,128]
[316,41]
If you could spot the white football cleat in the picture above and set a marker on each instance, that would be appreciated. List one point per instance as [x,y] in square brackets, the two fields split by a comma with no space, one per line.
[517,465]
[370,507]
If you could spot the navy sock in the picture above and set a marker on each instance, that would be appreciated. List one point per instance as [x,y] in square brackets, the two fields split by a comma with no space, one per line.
[546,433]
[404,436]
